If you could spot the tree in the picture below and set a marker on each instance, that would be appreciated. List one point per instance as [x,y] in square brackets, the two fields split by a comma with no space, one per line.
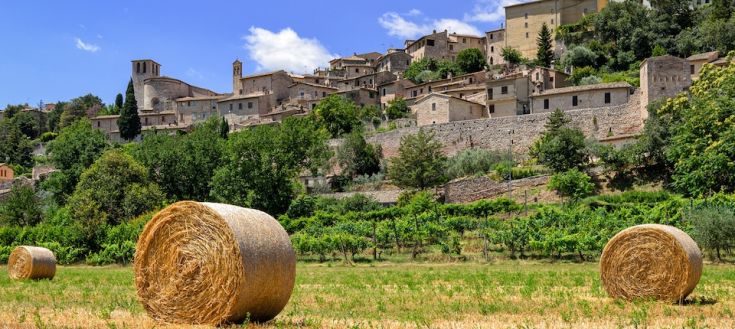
[579,56]
[224,129]
[15,147]
[129,122]
[337,114]
[545,54]
[183,166]
[113,190]
[512,56]
[357,157]
[572,184]
[119,101]
[429,69]
[54,117]
[420,162]
[80,107]
[714,228]
[560,147]
[75,149]
[397,109]
[22,207]
[471,60]
[28,123]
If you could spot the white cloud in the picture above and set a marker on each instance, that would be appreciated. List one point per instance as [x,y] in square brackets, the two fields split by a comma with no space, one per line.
[92,48]
[285,50]
[398,26]
[414,12]
[489,11]
[194,73]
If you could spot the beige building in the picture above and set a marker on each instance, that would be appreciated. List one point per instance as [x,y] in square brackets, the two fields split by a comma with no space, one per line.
[439,108]
[443,85]
[663,77]
[494,47]
[6,173]
[156,93]
[390,90]
[582,97]
[275,84]
[523,21]
[361,96]
[509,95]
[443,45]
[190,110]
[396,61]
[371,81]
[162,121]
[697,61]
[308,94]
[238,108]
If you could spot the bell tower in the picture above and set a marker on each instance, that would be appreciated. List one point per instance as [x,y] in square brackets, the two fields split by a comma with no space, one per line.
[143,69]
[236,76]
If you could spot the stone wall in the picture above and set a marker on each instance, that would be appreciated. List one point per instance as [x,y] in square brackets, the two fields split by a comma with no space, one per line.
[493,133]
[478,188]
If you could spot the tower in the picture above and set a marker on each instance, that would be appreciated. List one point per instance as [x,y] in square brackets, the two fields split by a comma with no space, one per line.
[236,77]
[143,69]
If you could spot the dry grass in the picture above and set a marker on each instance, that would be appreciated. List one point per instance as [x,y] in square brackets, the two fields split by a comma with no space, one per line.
[651,261]
[465,295]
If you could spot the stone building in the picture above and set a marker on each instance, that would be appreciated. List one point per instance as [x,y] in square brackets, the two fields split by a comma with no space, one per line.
[523,21]
[663,77]
[190,110]
[396,61]
[447,84]
[372,80]
[308,94]
[392,90]
[697,61]
[581,97]
[156,93]
[443,45]
[6,173]
[438,108]
[161,121]
[509,95]
[275,84]
[494,46]
[361,96]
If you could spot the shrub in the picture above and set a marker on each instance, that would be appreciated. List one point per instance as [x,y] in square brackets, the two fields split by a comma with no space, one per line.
[472,162]
[572,184]
[714,228]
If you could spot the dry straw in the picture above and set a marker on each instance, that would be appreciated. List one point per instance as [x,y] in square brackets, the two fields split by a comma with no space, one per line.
[651,261]
[210,263]
[28,262]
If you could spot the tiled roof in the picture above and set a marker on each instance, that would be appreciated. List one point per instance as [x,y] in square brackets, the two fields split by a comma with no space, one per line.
[703,56]
[584,88]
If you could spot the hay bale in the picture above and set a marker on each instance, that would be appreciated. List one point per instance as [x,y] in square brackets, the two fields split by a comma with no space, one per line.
[210,263]
[26,262]
[651,261]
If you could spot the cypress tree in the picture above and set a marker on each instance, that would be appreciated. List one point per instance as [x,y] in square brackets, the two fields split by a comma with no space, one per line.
[129,122]
[545,49]
[119,101]
[224,128]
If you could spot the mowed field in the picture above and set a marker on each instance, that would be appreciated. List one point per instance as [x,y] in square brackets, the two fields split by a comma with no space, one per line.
[449,295]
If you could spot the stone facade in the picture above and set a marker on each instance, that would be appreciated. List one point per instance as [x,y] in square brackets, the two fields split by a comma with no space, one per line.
[663,77]
[156,93]
[696,62]
[6,173]
[494,47]
[308,94]
[361,96]
[149,122]
[586,97]
[439,108]
[493,133]
[508,96]
[395,61]
[443,45]
[274,84]
[472,189]
[190,110]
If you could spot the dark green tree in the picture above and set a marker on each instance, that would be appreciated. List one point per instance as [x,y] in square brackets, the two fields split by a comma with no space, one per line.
[561,147]
[119,101]
[545,54]
[224,129]
[54,117]
[337,114]
[80,107]
[357,157]
[22,207]
[512,56]
[471,60]
[15,146]
[420,162]
[397,109]
[129,122]
[572,184]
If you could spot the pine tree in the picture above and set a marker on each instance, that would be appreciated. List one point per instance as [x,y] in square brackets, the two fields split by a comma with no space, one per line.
[119,101]
[129,121]
[545,49]
[224,128]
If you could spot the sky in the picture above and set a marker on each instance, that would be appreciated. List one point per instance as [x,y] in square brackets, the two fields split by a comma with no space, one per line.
[57,50]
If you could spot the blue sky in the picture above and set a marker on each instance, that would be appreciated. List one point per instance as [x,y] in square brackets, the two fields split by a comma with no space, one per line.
[57,50]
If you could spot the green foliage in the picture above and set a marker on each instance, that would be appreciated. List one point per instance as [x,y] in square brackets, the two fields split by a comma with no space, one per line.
[15,146]
[183,166]
[397,109]
[74,149]
[713,227]
[119,101]
[79,108]
[337,114]
[512,56]
[129,122]
[560,147]
[29,124]
[545,53]
[429,69]
[48,136]
[472,162]
[22,207]
[572,184]
[356,157]
[579,57]
[580,73]
[658,50]
[54,117]
[470,60]
[420,162]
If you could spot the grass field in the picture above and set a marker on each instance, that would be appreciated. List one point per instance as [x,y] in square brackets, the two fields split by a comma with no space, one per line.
[453,295]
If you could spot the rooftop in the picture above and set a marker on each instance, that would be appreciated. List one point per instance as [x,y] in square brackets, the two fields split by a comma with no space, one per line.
[574,89]
[704,56]
[425,97]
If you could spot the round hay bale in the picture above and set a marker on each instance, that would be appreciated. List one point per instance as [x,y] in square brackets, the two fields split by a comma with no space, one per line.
[27,262]
[210,263]
[651,261]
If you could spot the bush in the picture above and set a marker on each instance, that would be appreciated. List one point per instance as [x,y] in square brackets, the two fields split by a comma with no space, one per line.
[572,184]
[714,228]
[472,162]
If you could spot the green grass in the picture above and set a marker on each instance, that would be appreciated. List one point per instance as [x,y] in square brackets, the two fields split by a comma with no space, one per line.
[504,295]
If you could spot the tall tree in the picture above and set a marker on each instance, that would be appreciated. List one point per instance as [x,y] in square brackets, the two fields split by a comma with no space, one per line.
[545,54]
[119,101]
[512,56]
[357,157]
[337,114]
[561,147]
[471,60]
[129,122]
[420,162]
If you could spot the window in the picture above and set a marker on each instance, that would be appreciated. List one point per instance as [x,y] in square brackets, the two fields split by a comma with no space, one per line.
[546,104]
[383,91]
[492,49]
[357,70]
[526,35]
[240,91]
[526,15]
[163,119]
[575,101]
[324,94]
[137,70]
[491,61]
[551,79]
[430,42]
[250,105]
[146,119]
[607,98]
[464,40]
[433,106]
[471,80]
[491,36]
[408,62]
[230,106]
[504,90]
[98,124]
[144,66]
[188,103]
[301,94]
[490,93]
[491,108]
[239,106]
[421,91]
[313,106]
[429,88]
[526,24]
[451,47]
[372,95]
[691,69]
[552,21]
[317,81]
[415,93]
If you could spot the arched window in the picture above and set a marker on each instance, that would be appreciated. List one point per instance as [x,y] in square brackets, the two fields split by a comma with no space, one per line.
[137,69]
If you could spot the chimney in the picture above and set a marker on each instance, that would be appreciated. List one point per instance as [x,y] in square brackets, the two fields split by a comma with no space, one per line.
[433,32]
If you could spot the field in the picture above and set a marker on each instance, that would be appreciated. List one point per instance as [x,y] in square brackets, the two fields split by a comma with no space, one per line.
[508,294]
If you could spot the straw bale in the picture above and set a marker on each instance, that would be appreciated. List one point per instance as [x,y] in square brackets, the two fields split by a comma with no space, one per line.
[27,262]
